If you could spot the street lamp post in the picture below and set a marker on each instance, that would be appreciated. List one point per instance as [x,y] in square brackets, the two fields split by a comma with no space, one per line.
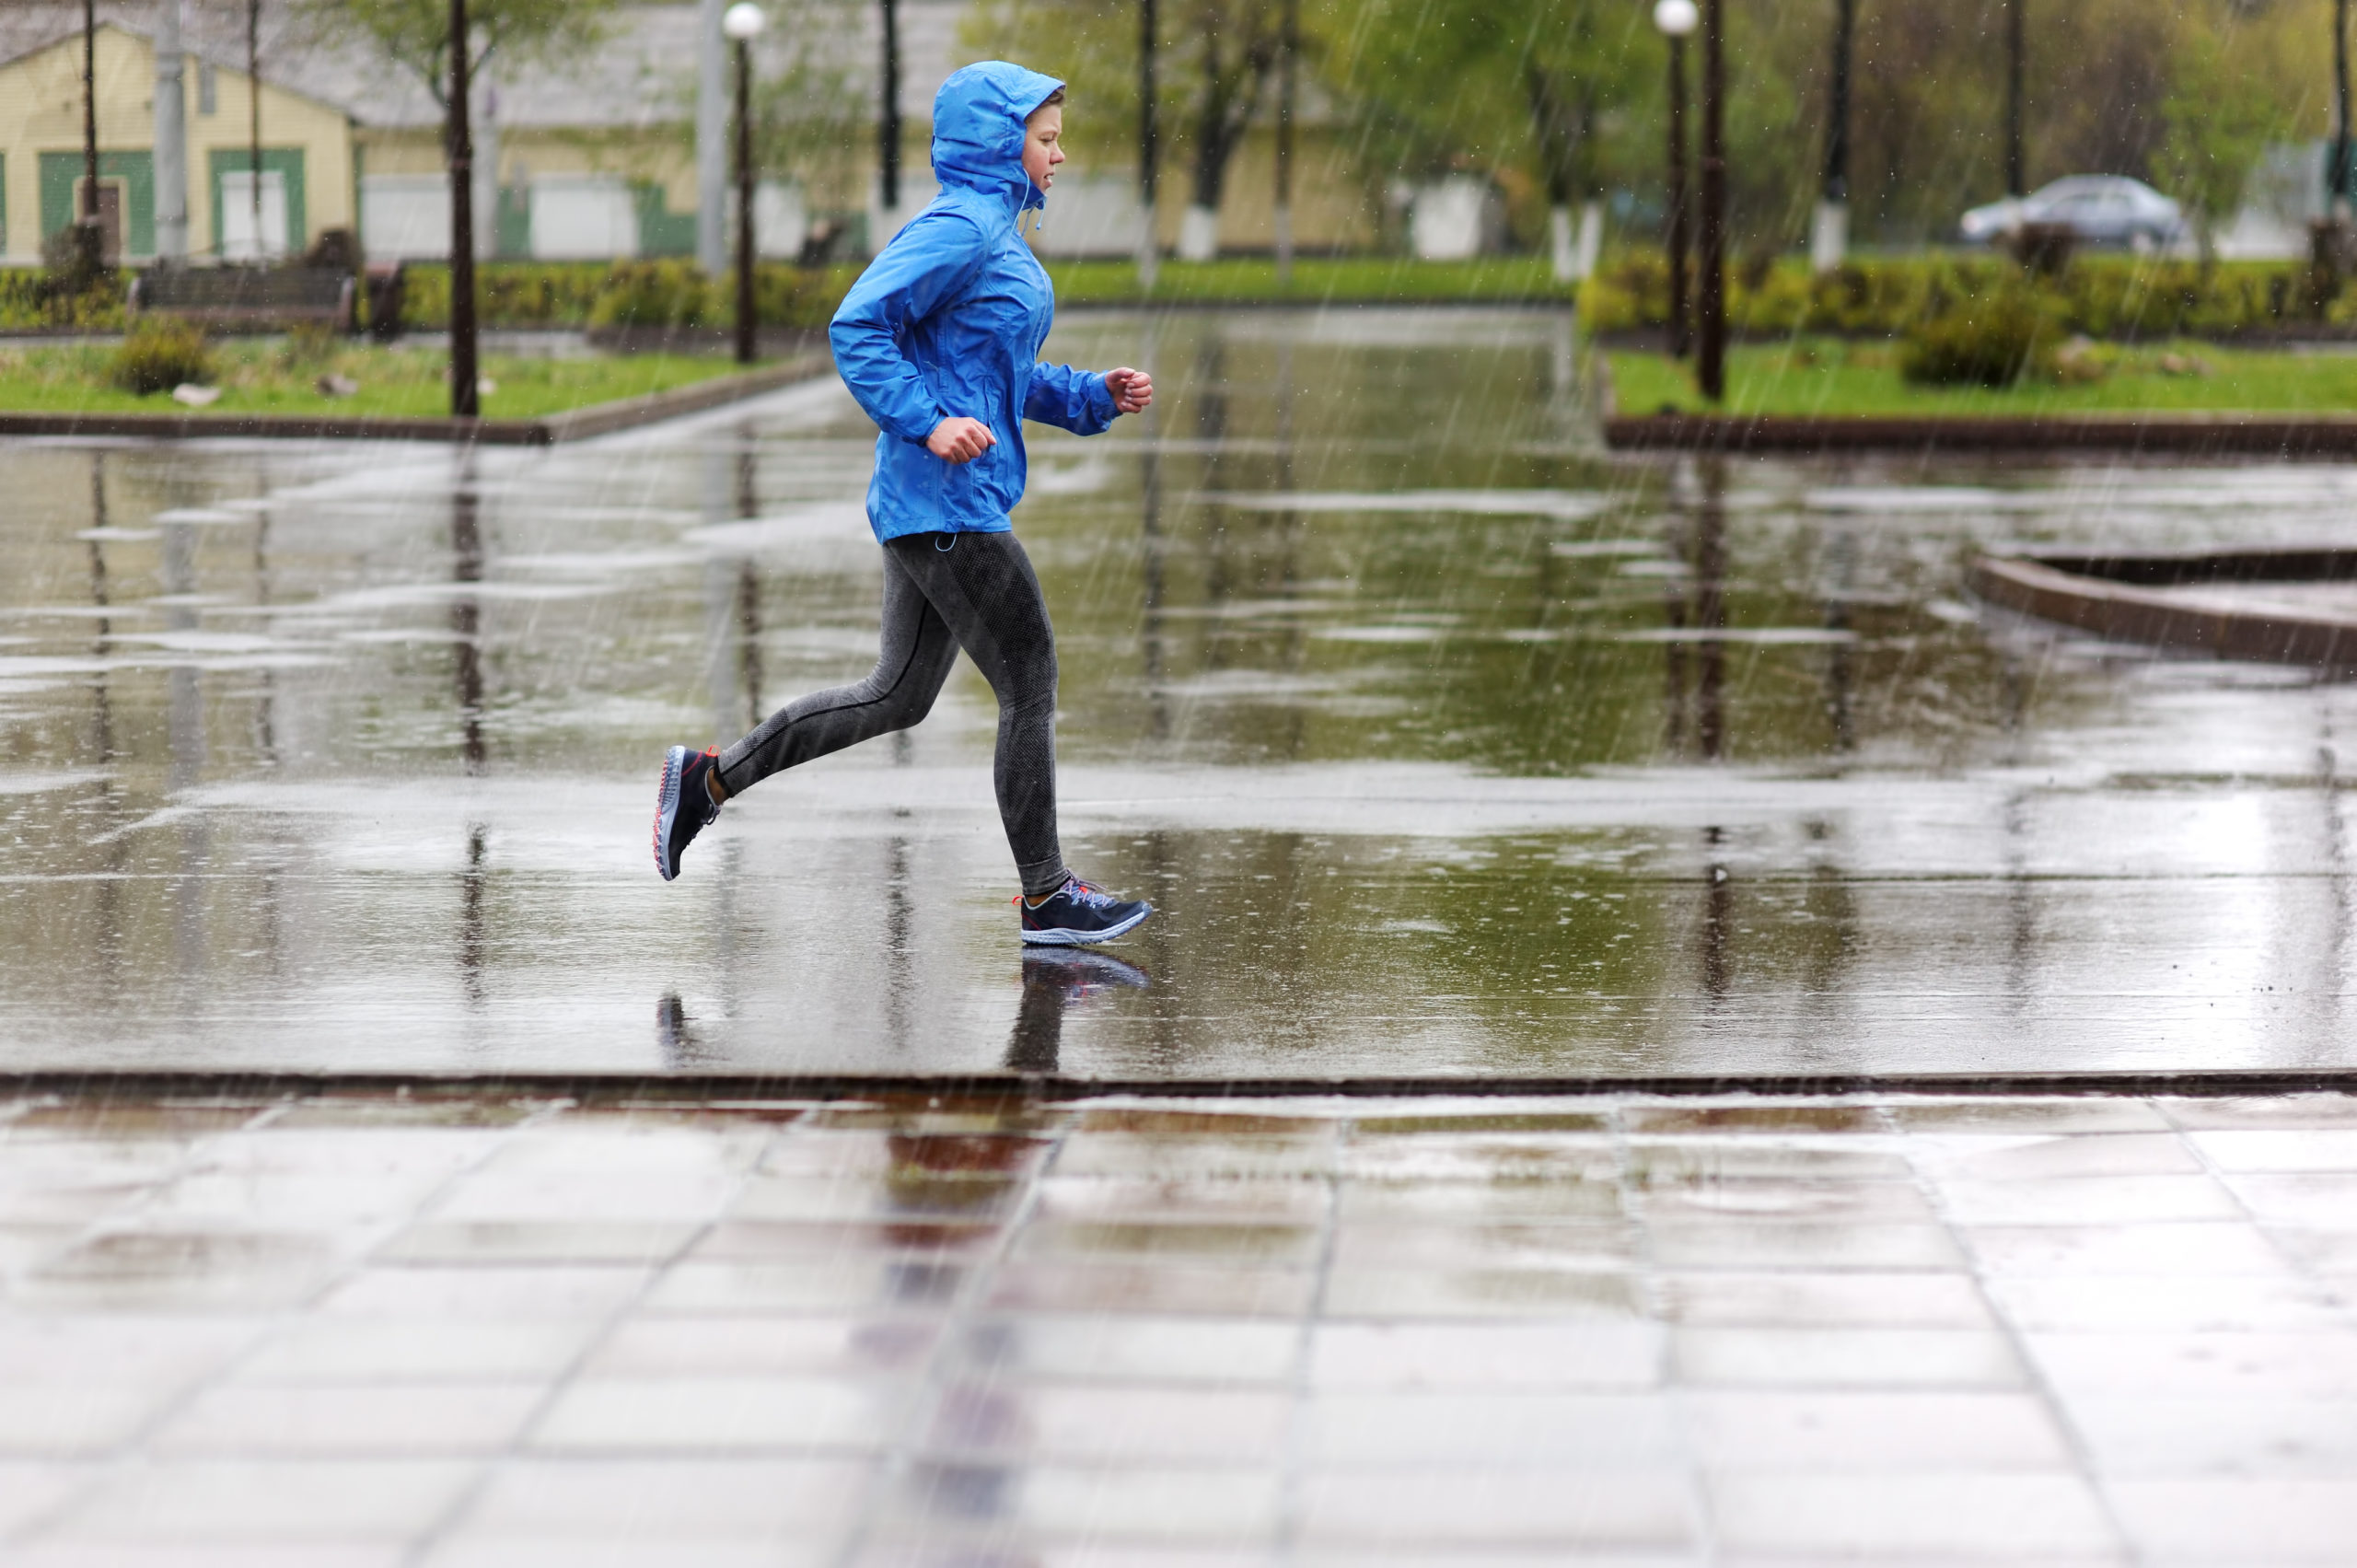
[742,23]
[2336,165]
[1710,370]
[1830,237]
[1676,18]
[1149,147]
[2017,184]
[465,386]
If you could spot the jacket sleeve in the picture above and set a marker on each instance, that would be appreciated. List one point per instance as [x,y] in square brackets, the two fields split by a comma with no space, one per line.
[925,264]
[1075,400]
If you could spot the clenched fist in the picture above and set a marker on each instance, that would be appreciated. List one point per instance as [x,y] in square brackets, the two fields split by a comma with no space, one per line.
[959,440]
[1132,389]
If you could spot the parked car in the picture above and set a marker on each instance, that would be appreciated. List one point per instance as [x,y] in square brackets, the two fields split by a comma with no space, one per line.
[2098,209]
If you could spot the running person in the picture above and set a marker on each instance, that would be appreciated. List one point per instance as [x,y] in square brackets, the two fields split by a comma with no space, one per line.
[940,340]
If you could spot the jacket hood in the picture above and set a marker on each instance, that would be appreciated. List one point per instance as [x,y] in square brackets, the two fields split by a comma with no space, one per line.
[978,119]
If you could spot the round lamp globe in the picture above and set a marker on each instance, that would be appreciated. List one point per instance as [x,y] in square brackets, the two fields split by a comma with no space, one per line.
[744,19]
[1675,17]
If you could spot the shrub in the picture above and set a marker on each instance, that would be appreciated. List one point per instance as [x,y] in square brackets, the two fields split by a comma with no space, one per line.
[1990,342]
[654,294]
[158,354]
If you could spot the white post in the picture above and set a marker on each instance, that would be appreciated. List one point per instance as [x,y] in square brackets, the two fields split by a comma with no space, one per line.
[1829,238]
[171,137]
[1591,240]
[712,138]
[1558,245]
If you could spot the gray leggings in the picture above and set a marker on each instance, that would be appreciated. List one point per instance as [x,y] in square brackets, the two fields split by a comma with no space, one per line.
[943,592]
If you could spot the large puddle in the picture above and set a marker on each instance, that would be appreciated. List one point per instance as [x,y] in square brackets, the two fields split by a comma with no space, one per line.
[1444,742]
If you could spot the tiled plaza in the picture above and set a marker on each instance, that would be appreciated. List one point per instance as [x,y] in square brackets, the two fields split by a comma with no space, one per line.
[353,1332]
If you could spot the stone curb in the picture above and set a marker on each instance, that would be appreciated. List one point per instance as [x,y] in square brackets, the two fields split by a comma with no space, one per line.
[599,419]
[2045,587]
[2156,435]
[143,1084]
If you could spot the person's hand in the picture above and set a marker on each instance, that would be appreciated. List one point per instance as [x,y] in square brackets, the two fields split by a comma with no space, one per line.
[959,440]
[1132,389]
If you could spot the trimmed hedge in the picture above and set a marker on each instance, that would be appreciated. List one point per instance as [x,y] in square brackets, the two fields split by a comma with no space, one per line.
[648,294]
[2110,296]
[31,298]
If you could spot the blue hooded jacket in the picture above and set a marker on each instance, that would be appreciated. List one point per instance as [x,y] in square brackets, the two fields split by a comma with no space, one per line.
[949,319]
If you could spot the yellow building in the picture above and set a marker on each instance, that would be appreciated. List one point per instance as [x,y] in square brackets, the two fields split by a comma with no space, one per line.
[306,151]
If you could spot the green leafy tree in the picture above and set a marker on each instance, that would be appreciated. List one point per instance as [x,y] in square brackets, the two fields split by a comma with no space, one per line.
[415,34]
[2216,122]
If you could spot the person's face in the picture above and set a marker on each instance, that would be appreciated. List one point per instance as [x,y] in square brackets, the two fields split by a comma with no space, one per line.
[1043,136]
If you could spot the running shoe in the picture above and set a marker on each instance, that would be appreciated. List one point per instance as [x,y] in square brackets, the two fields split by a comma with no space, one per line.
[1077,915]
[683,807]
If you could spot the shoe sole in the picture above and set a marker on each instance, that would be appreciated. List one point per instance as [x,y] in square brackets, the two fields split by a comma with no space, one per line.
[1064,937]
[666,809]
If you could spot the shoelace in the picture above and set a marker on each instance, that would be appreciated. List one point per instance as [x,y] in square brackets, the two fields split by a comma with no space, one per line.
[1080,892]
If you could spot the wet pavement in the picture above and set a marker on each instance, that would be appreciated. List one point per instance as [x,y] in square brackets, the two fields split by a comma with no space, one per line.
[1446,743]
[345,1332]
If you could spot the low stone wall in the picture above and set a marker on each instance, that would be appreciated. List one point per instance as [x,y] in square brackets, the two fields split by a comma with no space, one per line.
[2195,436]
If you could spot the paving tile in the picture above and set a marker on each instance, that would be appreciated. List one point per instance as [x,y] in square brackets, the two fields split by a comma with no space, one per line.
[1447,1157]
[789,1241]
[718,1415]
[2208,1247]
[196,1501]
[1588,1509]
[1702,1161]
[1828,1202]
[2030,1117]
[2138,1435]
[1484,1293]
[1483,1122]
[1951,1516]
[178,1269]
[1574,1244]
[308,1553]
[1123,1348]
[1016,1508]
[24,1247]
[2133,1304]
[2088,1200]
[1249,1245]
[1755,1118]
[361,1350]
[484,1292]
[1845,1358]
[843,1285]
[1238,1200]
[2263,1110]
[2316,1201]
[652,1149]
[2332,1254]
[616,1198]
[999,1419]
[860,1347]
[1825,1432]
[1416,1431]
[2229,1366]
[968,1199]
[1796,1300]
[979,1155]
[1682,1242]
[471,1550]
[30,1489]
[62,1420]
[1128,1155]
[1154,1289]
[1477,1202]
[321,1421]
[551,1241]
[578,1499]
[2281,1149]
[118,1347]
[2257,1520]
[1993,1157]
[1602,1353]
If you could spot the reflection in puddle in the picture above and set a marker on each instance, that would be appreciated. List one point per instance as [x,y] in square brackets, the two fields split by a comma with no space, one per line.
[1443,742]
